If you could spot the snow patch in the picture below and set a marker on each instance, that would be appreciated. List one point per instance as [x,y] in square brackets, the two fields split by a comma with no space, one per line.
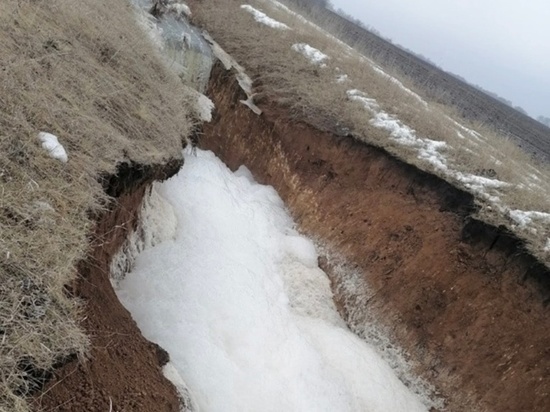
[524,218]
[238,301]
[481,186]
[470,132]
[428,150]
[180,9]
[205,107]
[547,247]
[244,172]
[314,55]
[349,50]
[157,223]
[369,103]
[171,373]
[480,181]
[249,102]
[263,18]
[292,13]
[398,131]
[53,147]
[342,78]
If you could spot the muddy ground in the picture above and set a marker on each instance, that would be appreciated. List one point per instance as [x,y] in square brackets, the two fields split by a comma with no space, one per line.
[463,299]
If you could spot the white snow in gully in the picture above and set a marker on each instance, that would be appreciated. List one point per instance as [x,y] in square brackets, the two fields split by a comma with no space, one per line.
[237,299]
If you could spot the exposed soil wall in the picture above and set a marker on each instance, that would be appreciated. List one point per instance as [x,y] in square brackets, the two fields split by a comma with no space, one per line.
[123,367]
[463,299]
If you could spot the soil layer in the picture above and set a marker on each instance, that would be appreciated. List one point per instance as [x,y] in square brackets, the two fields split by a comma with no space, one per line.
[462,298]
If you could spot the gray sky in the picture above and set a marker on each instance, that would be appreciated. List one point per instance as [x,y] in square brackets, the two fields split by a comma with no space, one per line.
[501,45]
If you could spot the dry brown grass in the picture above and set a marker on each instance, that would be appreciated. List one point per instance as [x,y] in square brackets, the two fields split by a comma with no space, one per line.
[311,92]
[84,72]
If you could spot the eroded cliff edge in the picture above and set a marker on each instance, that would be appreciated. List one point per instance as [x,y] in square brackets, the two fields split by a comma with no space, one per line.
[464,299]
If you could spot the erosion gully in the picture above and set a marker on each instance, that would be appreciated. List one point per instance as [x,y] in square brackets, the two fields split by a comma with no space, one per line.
[463,300]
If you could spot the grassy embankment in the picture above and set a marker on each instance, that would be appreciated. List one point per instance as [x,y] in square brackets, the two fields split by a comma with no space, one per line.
[85,72]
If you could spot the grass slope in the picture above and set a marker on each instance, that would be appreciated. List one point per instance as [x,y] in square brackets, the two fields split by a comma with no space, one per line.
[85,72]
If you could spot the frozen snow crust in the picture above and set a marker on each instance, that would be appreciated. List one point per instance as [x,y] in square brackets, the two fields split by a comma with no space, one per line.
[53,147]
[311,53]
[237,299]
[263,18]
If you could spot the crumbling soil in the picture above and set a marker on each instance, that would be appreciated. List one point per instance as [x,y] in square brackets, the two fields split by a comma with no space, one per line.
[123,368]
[462,298]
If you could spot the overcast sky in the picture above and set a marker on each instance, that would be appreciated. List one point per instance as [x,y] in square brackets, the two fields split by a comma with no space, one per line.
[501,45]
